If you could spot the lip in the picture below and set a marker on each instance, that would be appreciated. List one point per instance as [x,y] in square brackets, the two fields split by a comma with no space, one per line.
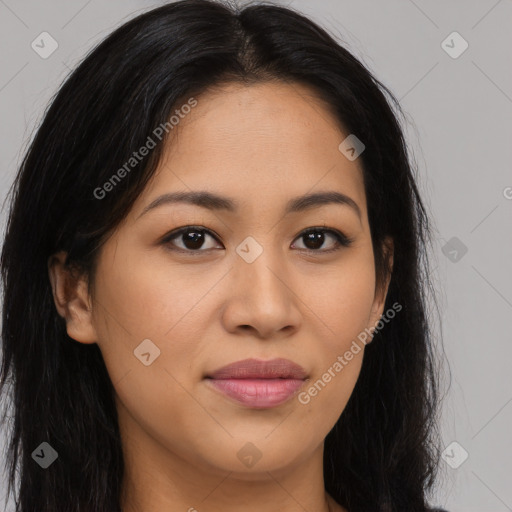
[258,383]
[260,369]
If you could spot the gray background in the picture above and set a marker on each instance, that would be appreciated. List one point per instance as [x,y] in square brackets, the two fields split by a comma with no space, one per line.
[460,134]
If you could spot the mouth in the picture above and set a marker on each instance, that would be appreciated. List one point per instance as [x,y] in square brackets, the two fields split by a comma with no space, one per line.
[257,383]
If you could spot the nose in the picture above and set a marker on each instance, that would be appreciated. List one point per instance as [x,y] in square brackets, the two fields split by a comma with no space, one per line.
[263,297]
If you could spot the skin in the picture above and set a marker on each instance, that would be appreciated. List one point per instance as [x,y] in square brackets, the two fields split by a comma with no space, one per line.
[260,145]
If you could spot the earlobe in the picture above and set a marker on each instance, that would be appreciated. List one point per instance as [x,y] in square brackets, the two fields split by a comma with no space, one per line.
[71,298]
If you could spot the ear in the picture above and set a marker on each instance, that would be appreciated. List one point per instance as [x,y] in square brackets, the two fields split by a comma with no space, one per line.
[71,299]
[381,289]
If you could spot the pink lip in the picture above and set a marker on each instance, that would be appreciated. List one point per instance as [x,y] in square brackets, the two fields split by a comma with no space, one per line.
[257,383]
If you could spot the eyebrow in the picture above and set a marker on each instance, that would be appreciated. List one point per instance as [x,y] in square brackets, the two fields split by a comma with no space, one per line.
[213,201]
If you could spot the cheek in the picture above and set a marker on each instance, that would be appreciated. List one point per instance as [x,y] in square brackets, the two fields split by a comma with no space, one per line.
[163,304]
[343,302]
[138,304]
[140,297]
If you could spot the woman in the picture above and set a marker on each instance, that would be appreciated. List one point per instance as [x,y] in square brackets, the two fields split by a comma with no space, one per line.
[214,276]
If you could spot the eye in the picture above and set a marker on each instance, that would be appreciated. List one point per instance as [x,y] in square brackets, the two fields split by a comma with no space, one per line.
[315,237]
[193,238]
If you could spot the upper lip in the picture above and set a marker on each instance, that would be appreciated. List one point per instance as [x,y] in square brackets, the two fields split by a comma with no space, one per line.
[260,369]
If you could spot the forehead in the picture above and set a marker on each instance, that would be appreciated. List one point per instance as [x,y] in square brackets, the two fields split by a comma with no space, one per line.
[251,142]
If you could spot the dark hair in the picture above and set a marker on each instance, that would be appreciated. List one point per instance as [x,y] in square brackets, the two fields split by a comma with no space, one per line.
[383,452]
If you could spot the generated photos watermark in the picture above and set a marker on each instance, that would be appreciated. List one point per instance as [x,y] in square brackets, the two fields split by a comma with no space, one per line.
[304,397]
[143,151]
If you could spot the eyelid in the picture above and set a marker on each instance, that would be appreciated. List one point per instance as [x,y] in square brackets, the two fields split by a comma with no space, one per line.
[341,239]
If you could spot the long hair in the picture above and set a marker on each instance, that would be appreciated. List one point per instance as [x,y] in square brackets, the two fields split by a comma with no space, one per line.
[383,452]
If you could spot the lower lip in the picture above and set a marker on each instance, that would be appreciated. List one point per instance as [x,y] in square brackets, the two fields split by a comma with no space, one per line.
[258,393]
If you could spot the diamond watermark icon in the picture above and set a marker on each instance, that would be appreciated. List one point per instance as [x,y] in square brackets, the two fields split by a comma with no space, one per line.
[249,455]
[454,455]
[44,45]
[249,249]
[44,455]
[454,45]
[454,249]
[351,147]
[146,352]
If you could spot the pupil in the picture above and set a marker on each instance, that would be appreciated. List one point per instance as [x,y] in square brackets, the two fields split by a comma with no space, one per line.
[314,237]
[193,239]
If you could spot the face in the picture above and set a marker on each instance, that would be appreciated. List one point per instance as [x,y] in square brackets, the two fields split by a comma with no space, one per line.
[246,281]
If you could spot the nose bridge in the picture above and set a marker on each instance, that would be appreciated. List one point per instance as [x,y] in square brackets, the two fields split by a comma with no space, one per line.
[260,270]
[260,264]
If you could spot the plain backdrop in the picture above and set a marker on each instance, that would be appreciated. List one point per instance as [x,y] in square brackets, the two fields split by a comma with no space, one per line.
[459,130]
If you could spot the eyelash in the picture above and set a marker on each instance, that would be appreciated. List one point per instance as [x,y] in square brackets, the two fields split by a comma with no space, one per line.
[341,239]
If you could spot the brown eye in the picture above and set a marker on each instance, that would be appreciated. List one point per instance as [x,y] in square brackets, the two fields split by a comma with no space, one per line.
[315,238]
[191,238]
